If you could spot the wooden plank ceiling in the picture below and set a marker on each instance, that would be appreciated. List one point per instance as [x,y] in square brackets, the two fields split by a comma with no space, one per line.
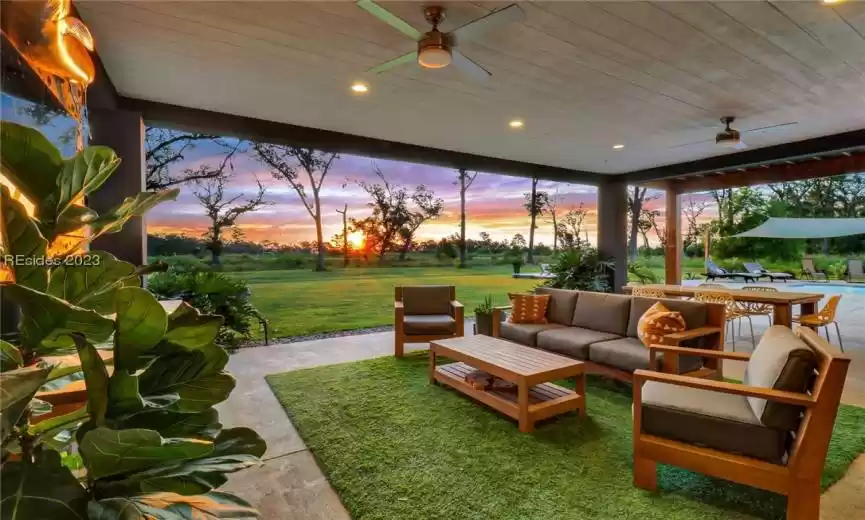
[584,76]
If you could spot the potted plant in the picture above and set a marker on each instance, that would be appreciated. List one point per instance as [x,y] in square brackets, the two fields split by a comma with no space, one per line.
[484,317]
[148,435]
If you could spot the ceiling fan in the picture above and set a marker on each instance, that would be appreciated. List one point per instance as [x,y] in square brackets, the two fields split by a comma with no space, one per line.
[435,49]
[732,138]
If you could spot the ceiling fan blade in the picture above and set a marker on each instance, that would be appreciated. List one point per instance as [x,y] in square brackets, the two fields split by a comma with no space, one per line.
[389,18]
[396,62]
[762,128]
[476,28]
[462,62]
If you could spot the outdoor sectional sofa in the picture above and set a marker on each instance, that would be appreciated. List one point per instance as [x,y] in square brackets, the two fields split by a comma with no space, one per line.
[600,329]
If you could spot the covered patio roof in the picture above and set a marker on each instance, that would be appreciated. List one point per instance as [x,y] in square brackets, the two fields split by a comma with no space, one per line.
[584,77]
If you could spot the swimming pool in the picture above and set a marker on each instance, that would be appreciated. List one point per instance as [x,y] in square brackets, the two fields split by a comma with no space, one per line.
[831,288]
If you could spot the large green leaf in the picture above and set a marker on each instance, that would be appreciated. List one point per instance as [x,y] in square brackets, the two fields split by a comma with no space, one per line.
[172,506]
[24,242]
[41,489]
[109,452]
[196,377]
[92,286]
[10,357]
[96,378]
[73,219]
[204,424]
[190,330]
[45,317]
[123,396]
[113,220]
[83,174]
[29,160]
[66,420]
[21,383]
[141,323]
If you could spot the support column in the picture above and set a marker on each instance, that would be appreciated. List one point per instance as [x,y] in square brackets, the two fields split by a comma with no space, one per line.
[673,232]
[612,228]
[123,132]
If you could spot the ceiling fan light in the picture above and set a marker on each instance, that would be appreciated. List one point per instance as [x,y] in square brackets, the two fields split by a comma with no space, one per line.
[729,143]
[434,58]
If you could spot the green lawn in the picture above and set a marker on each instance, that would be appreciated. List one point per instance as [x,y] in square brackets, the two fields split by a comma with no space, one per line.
[395,447]
[299,302]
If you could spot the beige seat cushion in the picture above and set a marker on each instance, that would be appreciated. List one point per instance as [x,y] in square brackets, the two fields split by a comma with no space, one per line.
[784,362]
[561,306]
[525,333]
[429,324]
[602,312]
[426,299]
[715,420]
[572,341]
[630,354]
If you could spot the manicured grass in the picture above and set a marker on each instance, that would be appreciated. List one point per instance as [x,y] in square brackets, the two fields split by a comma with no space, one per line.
[395,447]
[299,302]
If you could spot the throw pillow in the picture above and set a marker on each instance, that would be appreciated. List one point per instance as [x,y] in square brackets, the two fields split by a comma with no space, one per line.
[657,322]
[529,308]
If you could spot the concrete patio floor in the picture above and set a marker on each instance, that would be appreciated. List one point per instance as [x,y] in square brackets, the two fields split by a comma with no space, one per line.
[291,485]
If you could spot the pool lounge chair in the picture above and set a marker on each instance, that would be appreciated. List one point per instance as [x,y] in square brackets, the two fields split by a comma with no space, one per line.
[855,272]
[810,271]
[713,272]
[756,268]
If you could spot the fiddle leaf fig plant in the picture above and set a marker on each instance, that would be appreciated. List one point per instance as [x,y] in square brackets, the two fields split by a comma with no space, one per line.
[145,425]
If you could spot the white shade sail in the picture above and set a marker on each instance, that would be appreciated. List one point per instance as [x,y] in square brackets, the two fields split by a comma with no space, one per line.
[807,228]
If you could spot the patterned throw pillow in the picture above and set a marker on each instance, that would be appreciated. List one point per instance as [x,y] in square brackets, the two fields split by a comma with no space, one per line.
[657,322]
[529,308]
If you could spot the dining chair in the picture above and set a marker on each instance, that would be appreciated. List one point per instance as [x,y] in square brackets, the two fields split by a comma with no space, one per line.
[734,311]
[759,309]
[824,318]
[648,292]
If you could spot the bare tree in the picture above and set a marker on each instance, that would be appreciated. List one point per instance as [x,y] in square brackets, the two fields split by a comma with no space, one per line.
[692,211]
[570,227]
[536,203]
[426,207]
[284,163]
[164,149]
[553,213]
[636,201]
[344,214]
[651,217]
[389,214]
[223,212]
[465,180]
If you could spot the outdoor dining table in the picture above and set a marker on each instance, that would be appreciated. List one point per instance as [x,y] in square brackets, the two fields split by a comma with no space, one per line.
[781,301]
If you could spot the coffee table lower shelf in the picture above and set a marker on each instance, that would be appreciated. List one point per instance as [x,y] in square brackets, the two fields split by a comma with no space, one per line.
[545,400]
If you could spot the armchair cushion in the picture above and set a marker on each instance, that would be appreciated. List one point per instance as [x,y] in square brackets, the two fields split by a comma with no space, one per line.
[561,306]
[784,362]
[429,324]
[603,312]
[630,354]
[426,299]
[525,333]
[571,341]
[715,420]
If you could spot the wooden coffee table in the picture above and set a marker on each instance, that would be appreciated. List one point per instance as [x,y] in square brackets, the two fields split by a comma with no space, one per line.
[530,369]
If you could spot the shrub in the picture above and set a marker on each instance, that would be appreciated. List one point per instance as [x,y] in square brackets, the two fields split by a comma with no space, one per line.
[212,293]
[581,268]
[640,272]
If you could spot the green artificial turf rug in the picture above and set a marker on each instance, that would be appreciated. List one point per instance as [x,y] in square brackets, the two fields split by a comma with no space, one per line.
[395,447]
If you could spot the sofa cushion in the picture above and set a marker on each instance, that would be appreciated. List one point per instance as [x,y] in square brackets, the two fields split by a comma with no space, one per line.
[715,420]
[426,299]
[784,362]
[630,354]
[525,333]
[571,341]
[429,324]
[528,308]
[562,304]
[657,322]
[694,312]
[603,312]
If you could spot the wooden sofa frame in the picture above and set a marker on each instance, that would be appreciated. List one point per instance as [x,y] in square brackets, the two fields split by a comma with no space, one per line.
[799,480]
[713,334]
[401,338]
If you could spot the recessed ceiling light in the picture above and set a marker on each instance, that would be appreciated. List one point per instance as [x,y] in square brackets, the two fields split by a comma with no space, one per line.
[359,88]
[618,146]
[830,2]
[516,123]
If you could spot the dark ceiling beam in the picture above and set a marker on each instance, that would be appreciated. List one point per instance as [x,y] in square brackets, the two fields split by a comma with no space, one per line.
[847,141]
[197,120]
[783,172]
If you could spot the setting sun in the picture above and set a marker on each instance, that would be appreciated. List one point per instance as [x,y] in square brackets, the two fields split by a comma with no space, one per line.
[355,239]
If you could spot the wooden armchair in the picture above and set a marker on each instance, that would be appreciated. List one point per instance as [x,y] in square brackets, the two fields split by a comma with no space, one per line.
[423,313]
[758,433]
